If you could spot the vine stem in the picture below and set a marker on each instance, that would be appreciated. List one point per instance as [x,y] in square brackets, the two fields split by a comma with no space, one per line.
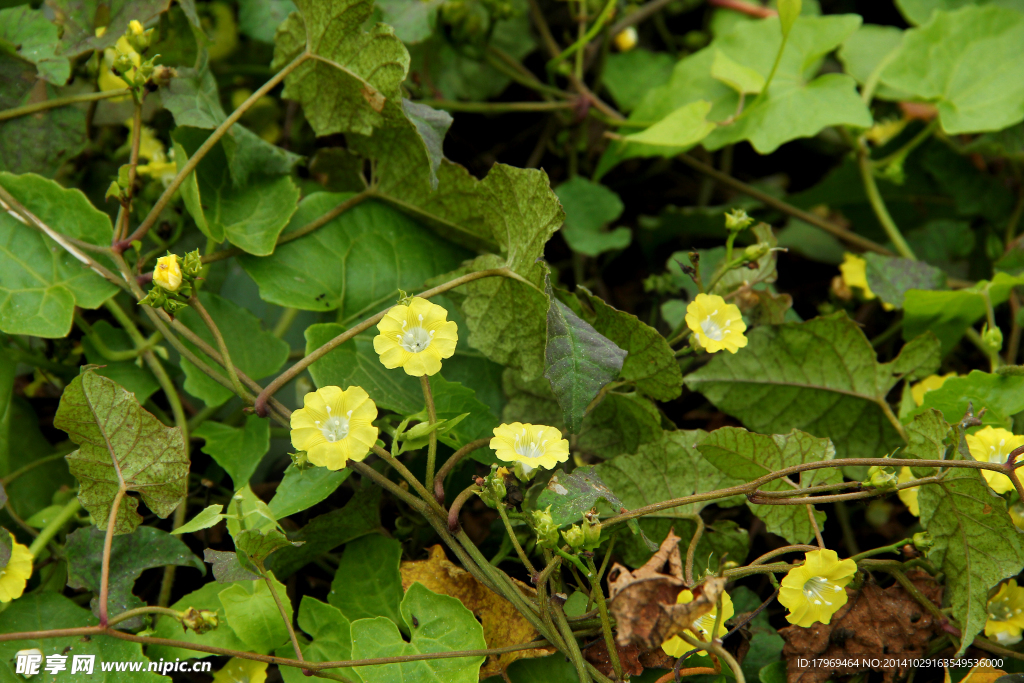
[15,112]
[303,363]
[221,346]
[428,499]
[450,464]
[108,541]
[691,550]
[428,397]
[606,623]
[124,216]
[515,541]
[69,510]
[867,177]
[214,138]
[284,614]
[6,481]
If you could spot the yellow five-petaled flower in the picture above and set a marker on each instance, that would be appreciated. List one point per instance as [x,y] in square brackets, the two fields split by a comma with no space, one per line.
[930,383]
[815,590]
[532,445]
[167,273]
[416,337]
[701,628]
[335,426]
[716,324]
[993,444]
[1006,614]
[15,575]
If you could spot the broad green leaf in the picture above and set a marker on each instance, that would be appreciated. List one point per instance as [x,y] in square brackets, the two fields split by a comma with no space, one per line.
[413,20]
[205,598]
[976,544]
[926,435]
[127,373]
[580,361]
[253,615]
[740,78]
[79,20]
[870,47]
[918,12]
[629,75]
[246,511]
[789,12]
[250,215]
[130,555]
[253,546]
[1002,396]
[227,568]
[42,142]
[949,313]
[192,98]
[360,516]
[355,363]
[121,447]
[253,350]
[452,399]
[668,468]
[553,669]
[302,489]
[431,125]
[331,639]
[772,388]
[437,623]
[259,19]
[589,207]
[737,452]
[972,79]
[651,363]
[210,516]
[237,449]
[890,278]
[47,610]
[354,72]
[368,583]
[683,128]
[40,282]
[35,39]
[356,263]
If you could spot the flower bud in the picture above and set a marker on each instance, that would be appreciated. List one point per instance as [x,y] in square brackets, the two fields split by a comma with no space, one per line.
[737,220]
[494,490]
[199,621]
[138,37]
[591,535]
[881,477]
[544,528]
[167,273]
[923,541]
[123,64]
[626,40]
[992,338]
[193,264]
[574,537]
[300,460]
[756,251]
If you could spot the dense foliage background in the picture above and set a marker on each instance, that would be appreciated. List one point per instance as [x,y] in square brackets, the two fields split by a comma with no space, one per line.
[557,174]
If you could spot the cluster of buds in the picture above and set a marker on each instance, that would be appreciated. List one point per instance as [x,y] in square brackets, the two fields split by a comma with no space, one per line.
[199,621]
[544,528]
[492,487]
[128,64]
[173,282]
[585,536]
[737,220]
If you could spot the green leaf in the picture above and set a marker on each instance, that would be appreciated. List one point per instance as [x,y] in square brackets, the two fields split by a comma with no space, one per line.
[251,215]
[356,263]
[926,435]
[866,50]
[246,511]
[253,350]
[437,623]
[890,278]
[589,207]
[355,363]
[192,97]
[651,363]
[237,450]
[737,452]
[630,75]
[949,313]
[680,130]
[368,583]
[668,468]
[47,610]
[259,19]
[1002,396]
[127,373]
[209,517]
[765,644]
[35,40]
[568,496]
[976,544]
[771,387]
[302,489]
[255,545]
[226,567]
[121,447]
[740,78]
[360,516]
[432,125]
[580,361]
[918,12]
[973,79]
[251,611]
[331,638]
[206,598]
[40,282]
[413,20]
[452,399]
[79,20]
[130,555]
[354,72]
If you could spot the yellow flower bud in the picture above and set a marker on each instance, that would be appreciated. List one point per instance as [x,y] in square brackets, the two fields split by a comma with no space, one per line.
[135,26]
[167,273]
[626,40]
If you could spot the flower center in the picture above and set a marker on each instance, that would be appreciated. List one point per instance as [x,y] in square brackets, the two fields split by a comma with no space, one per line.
[1001,611]
[335,427]
[712,329]
[531,449]
[415,339]
[996,453]
[818,589]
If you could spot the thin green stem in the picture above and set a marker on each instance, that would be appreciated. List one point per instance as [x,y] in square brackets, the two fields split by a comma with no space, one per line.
[606,623]
[575,561]
[867,177]
[284,323]
[428,397]
[221,346]
[15,112]
[284,614]
[47,533]
[575,655]
[584,40]
[515,541]
[891,548]
[450,464]
[140,611]
[410,478]
[691,550]
[108,541]
[6,481]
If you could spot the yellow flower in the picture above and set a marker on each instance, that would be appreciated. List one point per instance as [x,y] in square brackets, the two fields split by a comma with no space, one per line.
[241,671]
[626,40]
[335,426]
[813,592]
[993,444]
[161,166]
[716,324]
[854,270]
[908,496]
[416,337]
[108,80]
[532,445]
[931,383]
[167,273]
[700,629]
[1006,614]
[136,27]
[15,575]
